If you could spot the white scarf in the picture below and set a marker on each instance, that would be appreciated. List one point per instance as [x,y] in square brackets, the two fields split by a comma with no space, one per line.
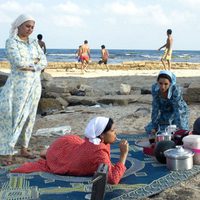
[20,20]
[95,128]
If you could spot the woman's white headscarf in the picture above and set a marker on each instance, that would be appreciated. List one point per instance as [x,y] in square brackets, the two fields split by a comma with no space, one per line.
[173,81]
[95,128]
[20,20]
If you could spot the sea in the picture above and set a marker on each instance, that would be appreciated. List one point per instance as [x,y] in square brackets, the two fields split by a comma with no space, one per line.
[118,55]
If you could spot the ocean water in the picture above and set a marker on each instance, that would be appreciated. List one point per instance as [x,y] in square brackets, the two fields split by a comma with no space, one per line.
[118,55]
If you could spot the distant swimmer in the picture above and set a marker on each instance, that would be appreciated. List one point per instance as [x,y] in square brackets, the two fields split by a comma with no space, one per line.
[84,56]
[41,43]
[168,50]
[104,56]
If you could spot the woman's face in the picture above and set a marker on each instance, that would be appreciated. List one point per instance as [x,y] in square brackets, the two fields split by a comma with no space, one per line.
[25,29]
[164,84]
[109,137]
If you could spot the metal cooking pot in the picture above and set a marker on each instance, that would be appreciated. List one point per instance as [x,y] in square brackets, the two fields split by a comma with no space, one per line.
[179,158]
[163,137]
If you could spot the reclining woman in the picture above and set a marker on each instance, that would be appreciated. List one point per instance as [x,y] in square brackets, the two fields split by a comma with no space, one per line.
[75,156]
[168,106]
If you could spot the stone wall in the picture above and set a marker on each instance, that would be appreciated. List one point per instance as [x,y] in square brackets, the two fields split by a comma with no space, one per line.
[138,65]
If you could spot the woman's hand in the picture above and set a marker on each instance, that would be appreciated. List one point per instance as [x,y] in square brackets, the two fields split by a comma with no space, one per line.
[36,60]
[124,148]
[153,131]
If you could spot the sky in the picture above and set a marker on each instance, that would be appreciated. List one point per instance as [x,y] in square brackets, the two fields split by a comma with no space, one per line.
[118,24]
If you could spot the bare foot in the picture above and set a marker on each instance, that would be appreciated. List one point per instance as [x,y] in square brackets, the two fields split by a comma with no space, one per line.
[43,154]
[8,160]
[26,154]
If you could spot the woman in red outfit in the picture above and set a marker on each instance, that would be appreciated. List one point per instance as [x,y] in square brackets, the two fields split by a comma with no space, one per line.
[73,155]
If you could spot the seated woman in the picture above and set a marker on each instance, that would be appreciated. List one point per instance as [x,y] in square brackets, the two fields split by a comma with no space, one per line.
[168,106]
[72,155]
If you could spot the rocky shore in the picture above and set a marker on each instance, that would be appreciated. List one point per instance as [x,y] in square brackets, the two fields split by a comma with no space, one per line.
[123,93]
[131,65]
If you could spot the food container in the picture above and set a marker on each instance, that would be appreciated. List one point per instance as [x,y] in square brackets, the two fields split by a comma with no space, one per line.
[160,148]
[179,135]
[163,137]
[192,142]
[171,129]
[149,150]
[179,158]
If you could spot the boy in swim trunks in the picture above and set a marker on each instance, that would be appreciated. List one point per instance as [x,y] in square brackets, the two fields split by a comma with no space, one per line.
[104,56]
[168,50]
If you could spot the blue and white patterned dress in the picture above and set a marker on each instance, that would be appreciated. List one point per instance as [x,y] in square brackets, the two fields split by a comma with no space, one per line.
[172,110]
[20,95]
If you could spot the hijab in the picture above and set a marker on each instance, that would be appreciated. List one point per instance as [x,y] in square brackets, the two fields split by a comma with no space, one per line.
[19,21]
[173,81]
[95,128]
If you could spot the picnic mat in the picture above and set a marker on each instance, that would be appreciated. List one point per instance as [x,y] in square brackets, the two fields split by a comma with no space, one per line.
[144,177]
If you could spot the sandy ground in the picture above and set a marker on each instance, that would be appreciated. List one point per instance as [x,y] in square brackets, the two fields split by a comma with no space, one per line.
[129,119]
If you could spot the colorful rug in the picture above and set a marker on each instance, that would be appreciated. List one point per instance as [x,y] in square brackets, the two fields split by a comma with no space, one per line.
[144,177]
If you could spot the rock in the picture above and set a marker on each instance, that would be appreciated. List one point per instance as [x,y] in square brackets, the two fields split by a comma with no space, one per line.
[125,89]
[192,93]
[145,91]
[79,100]
[87,89]
[57,86]
[46,76]
[48,105]
[141,112]
[77,92]
[62,101]
[84,87]
[118,99]
[46,94]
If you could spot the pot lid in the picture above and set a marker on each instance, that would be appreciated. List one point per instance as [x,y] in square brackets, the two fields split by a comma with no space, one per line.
[179,153]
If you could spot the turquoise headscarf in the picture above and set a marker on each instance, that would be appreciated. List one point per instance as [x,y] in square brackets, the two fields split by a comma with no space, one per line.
[173,81]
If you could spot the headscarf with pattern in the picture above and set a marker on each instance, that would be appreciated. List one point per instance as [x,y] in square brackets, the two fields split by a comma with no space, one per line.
[173,81]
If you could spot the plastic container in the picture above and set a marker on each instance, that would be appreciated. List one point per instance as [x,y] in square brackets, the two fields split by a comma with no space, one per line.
[193,142]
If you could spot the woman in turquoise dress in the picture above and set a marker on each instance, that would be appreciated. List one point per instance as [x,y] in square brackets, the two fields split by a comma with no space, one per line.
[20,95]
[168,106]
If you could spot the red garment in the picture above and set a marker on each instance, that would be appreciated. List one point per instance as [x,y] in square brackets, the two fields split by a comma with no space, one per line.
[84,57]
[72,155]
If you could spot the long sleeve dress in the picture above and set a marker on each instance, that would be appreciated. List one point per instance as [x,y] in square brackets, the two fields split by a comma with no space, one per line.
[72,155]
[20,95]
[165,111]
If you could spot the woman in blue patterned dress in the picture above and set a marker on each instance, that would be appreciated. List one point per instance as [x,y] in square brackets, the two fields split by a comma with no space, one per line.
[20,95]
[168,106]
